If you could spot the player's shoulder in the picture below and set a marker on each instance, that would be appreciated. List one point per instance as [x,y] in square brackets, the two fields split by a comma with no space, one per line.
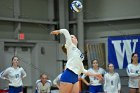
[106,74]
[21,68]
[101,69]
[90,69]
[49,81]
[116,73]
[38,81]
[9,69]
[129,65]
[138,63]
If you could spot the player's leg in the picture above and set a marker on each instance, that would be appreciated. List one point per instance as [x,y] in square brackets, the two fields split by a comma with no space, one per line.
[137,90]
[132,90]
[75,88]
[68,79]
[66,87]
[139,87]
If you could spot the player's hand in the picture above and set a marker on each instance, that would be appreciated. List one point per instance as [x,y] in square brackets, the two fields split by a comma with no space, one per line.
[7,80]
[99,77]
[87,84]
[56,32]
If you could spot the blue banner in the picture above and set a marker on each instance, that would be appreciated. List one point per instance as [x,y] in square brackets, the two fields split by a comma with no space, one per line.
[121,48]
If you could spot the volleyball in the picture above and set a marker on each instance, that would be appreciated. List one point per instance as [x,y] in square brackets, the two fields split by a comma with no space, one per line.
[76,6]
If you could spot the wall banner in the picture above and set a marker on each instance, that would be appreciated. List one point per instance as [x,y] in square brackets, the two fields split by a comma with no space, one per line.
[121,48]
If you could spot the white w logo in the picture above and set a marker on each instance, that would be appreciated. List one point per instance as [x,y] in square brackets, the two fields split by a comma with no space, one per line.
[120,52]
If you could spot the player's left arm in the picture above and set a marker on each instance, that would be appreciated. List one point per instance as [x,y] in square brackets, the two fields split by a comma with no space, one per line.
[23,73]
[105,84]
[101,76]
[119,83]
[55,82]
[49,87]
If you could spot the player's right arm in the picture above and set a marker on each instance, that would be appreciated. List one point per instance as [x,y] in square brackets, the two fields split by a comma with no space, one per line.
[119,83]
[4,73]
[56,80]
[84,80]
[97,76]
[130,72]
[37,86]
[105,83]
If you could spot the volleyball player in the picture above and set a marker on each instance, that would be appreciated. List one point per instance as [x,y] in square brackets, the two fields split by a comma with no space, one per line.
[133,71]
[95,84]
[43,85]
[75,88]
[74,65]
[112,81]
[14,75]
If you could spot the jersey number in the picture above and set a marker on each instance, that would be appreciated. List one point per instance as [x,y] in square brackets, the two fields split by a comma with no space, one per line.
[112,82]
[81,56]
[17,75]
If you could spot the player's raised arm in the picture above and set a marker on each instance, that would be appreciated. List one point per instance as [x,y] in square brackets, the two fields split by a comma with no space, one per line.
[55,32]
[66,34]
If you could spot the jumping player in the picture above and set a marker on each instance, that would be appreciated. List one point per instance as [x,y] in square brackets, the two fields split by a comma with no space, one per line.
[74,65]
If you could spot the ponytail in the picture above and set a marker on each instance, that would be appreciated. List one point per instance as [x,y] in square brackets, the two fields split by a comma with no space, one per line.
[64,49]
